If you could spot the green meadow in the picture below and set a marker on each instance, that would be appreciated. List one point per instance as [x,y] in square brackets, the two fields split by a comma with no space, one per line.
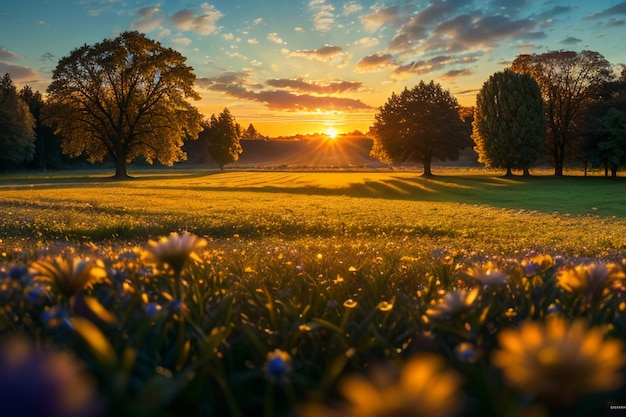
[574,215]
[311,293]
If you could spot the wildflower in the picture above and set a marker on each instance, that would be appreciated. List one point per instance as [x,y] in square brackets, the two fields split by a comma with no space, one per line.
[537,264]
[18,271]
[487,274]
[466,352]
[558,362]
[70,274]
[277,366]
[454,303]
[56,317]
[152,309]
[591,280]
[350,303]
[175,250]
[422,388]
[43,383]
[37,295]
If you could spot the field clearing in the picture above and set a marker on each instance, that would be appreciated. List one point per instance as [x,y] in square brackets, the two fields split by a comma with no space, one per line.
[475,212]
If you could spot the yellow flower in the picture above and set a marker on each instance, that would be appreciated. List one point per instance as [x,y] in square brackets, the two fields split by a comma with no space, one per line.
[175,250]
[487,274]
[537,264]
[591,280]
[70,274]
[557,362]
[453,303]
[422,388]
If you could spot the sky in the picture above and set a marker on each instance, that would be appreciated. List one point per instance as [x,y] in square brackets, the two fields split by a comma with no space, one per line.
[297,67]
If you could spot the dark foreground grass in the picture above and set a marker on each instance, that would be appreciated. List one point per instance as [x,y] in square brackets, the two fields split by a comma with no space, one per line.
[316,294]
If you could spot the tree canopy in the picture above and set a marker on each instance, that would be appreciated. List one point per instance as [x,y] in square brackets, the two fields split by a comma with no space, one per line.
[509,126]
[125,98]
[418,125]
[223,134]
[17,136]
[567,81]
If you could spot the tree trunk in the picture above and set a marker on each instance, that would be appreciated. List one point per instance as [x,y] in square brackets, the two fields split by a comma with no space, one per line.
[509,172]
[558,167]
[427,170]
[120,169]
[526,172]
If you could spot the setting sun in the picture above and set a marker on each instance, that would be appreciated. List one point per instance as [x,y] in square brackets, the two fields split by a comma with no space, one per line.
[331,132]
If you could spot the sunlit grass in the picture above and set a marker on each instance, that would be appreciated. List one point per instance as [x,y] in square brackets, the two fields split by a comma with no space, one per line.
[485,213]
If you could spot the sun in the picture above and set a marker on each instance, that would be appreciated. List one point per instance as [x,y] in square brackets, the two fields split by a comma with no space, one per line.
[331,132]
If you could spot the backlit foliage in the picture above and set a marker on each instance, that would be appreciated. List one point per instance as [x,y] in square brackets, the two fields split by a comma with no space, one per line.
[419,125]
[509,126]
[126,98]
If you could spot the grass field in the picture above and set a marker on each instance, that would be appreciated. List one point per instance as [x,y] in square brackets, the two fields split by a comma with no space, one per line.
[574,215]
[376,293]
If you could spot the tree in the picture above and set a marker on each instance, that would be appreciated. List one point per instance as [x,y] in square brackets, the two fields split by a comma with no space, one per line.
[418,125]
[567,81]
[223,134]
[126,98]
[614,143]
[598,143]
[251,133]
[47,145]
[509,127]
[17,136]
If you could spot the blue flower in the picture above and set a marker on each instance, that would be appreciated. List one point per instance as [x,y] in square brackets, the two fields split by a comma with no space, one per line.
[277,366]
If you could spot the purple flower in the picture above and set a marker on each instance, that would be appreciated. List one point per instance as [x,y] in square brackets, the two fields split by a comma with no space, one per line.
[44,383]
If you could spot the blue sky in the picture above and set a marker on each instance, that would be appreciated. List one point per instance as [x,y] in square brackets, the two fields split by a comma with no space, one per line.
[301,66]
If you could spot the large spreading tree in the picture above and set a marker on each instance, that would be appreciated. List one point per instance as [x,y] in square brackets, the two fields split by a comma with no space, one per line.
[17,135]
[568,80]
[509,126]
[223,136]
[126,98]
[418,125]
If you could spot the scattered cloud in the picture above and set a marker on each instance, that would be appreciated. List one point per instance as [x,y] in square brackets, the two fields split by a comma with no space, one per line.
[374,62]
[252,41]
[149,19]
[19,74]
[352,7]
[303,86]
[571,41]
[373,21]
[181,40]
[615,22]
[618,9]
[367,41]
[323,15]
[324,54]
[203,22]
[437,63]
[48,57]
[6,55]
[236,84]
[273,37]
[454,74]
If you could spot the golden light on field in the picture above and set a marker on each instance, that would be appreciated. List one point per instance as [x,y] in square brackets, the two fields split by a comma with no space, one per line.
[331,132]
